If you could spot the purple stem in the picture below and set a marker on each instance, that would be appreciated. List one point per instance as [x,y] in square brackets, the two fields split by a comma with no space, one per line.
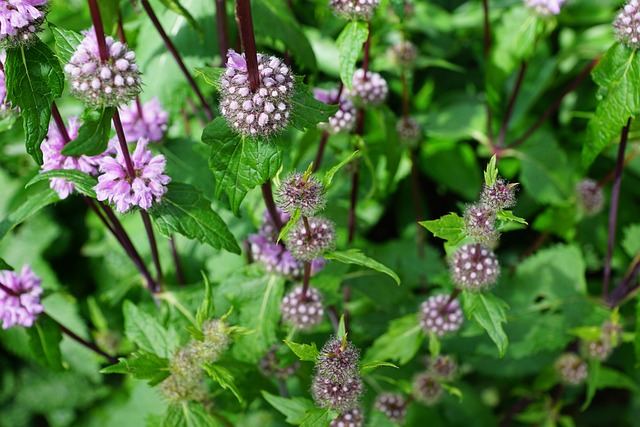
[325,135]
[222,28]
[267,195]
[247,36]
[91,346]
[96,18]
[307,264]
[176,260]
[154,249]
[512,102]
[487,48]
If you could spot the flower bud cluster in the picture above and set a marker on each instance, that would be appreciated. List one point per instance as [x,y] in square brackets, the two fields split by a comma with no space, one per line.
[19,297]
[20,20]
[409,132]
[148,121]
[303,311]
[301,191]
[545,7]
[403,53]
[426,389]
[474,267]
[442,367]
[270,365]
[352,418]
[307,245]
[590,197]
[368,88]
[571,368]
[480,218]
[393,405]
[440,316]
[602,347]
[354,9]
[344,119]
[261,112]
[337,384]
[110,83]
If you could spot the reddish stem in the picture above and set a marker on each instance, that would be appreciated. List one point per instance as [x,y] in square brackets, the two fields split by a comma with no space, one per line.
[222,28]
[512,102]
[245,24]
[96,18]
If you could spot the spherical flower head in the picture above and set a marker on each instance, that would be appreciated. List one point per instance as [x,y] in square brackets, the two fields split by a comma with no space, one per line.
[479,224]
[261,112]
[627,24]
[301,191]
[20,20]
[340,396]
[307,246]
[145,188]
[440,316]
[344,119]
[111,83]
[409,132]
[338,360]
[147,121]
[354,9]
[545,7]
[393,406]
[427,389]
[352,418]
[500,195]
[303,311]
[53,158]
[590,197]
[186,380]
[19,297]
[571,368]
[474,267]
[442,367]
[403,53]
[270,365]
[599,349]
[215,342]
[368,88]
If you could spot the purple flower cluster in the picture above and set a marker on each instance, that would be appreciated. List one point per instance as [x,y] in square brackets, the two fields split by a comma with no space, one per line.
[403,53]
[148,121]
[4,106]
[590,196]
[303,311]
[344,119]
[352,418]
[19,297]
[439,317]
[409,132]
[474,267]
[479,223]
[20,20]
[145,188]
[627,24]
[393,406]
[301,191]
[427,389]
[571,368]
[368,88]
[545,7]
[307,246]
[354,9]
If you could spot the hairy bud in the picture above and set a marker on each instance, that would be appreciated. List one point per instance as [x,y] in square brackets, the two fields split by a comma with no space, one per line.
[354,9]
[307,247]
[627,24]
[301,191]
[426,389]
[590,197]
[393,406]
[352,418]
[474,267]
[439,317]
[368,88]
[303,311]
[571,368]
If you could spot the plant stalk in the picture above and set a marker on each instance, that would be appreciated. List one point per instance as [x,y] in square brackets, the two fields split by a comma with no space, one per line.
[247,36]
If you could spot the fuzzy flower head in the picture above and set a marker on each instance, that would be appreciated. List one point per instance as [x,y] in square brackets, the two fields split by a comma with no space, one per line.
[500,195]
[427,389]
[147,121]
[54,159]
[409,132]
[479,223]
[602,347]
[627,24]
[261,112]
[440,316]
[340,396]
[19,297]
[354,9]
[145,188]
[20,20]
[301,191]
[305,246]
[590,197]
[571,368]
[338,360]
[352,418]
[442,367]
[403,53]
[393,406]
[215,341]
[303,311]
[186,379]
[545,7]
[111,83]
[474,267]
[368,88]
[344,119]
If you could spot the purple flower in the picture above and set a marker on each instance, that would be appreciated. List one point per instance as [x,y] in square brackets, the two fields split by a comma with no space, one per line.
[53,159]
[368,88]
[344,119]
[545,7]
[474,267]
[149,121]
[3,86]
[145,188]
[19,297]
[303,311]
[109,83]
[301,191]
[440,316]
[354,9]
[20,20]
[627,23]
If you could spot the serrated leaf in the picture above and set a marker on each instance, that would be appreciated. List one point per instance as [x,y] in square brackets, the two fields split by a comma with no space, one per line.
[44,342]
[4,265]
[93,135]
[223,377]
[294,409]
[355,256]
[66,42]
[491,173]
[188,414]
[449,227]
[184,210]
[211,75]
[284,232]
[176,6]
[328,177]
[30,201]
[306,111]
[376,364]
[207,309]
[504,215]
[400,343]
[143,366]
[83,182]
[239,164]
[33,79]
[617,74]
[490,313]
[631,240]
[318,418]
[305,352]
[145,330]
[350,43]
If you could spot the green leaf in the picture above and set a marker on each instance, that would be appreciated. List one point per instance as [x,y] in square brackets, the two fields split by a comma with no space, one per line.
[223,377]
[93,135]
[631,240]
[175,6]
[210,75]
[350,43]
[145,330]
[306,352]
[490,312]
[342,329]
[143,366]
[33,79]
[491,173]
[66,42]
[44,342]
[188,414]
[616,74]
[434,345]
[30,201]
[306,111]
[355,256]
[84,183]
[400,343]
[318,418]
[274,17]
[289,225]
[376,364]
[602,377]
[328,177]
[504,215]
[454,391]
[239,164]
[294,409]
[449,227]
[185,210]
[4,265]
[207,309]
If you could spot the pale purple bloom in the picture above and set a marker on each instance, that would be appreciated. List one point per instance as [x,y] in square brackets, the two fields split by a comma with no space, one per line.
[145,188]
[344,119]
[3,86]
[20,19]
[151,124]
[53,159]
[545,7]
[19,297]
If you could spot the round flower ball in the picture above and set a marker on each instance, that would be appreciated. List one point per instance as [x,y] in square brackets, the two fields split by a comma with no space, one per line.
[474,267]
[20,20]
[627,24]
[354,9]
[344,119]
[352,418]
[440,316]
[393,406]
[427,389]
[368,88]
[403,53]
[409,132]
[590,197]
[301,191]
[571,368]
[303,311]
[308,245]
[263,111]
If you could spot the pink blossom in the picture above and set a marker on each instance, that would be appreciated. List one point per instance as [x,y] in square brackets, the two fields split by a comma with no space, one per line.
[151,124]
[19,297]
